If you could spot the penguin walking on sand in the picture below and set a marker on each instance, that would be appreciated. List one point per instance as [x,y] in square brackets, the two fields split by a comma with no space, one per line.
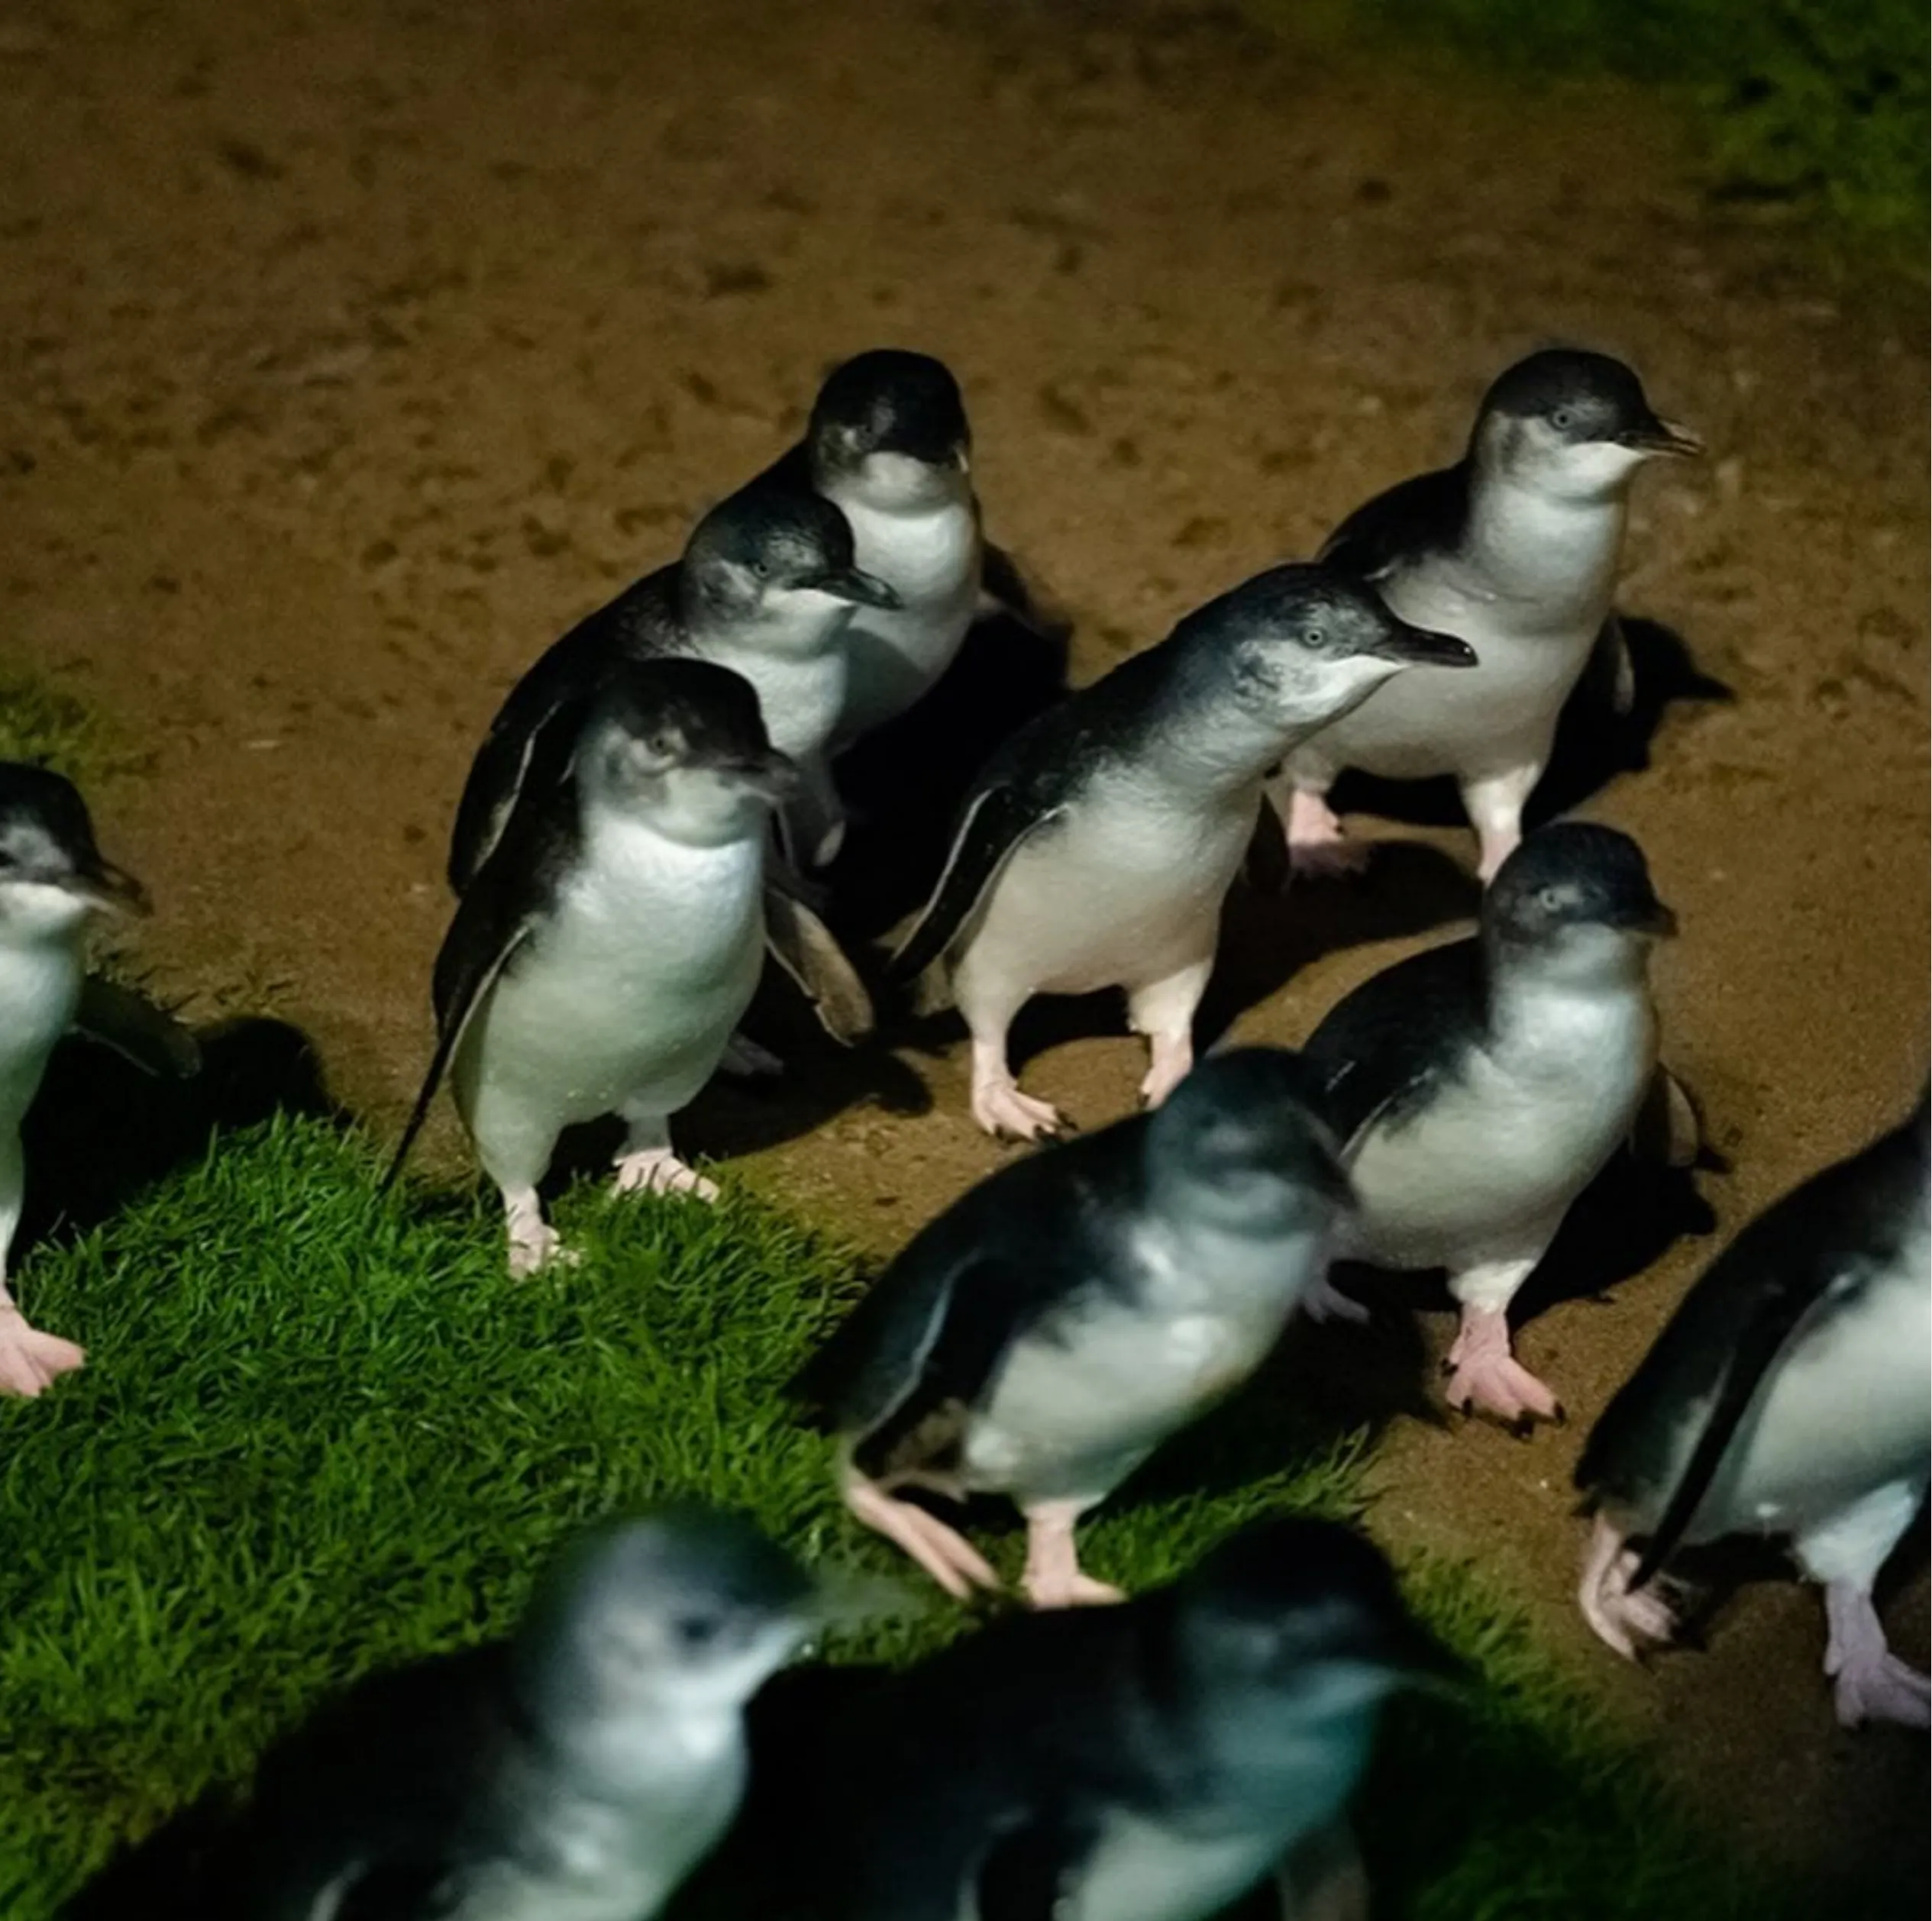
[1045,1335]
[1155,1761]
[53,881]
[888,444]
[604,952]
[1097,847]
[1515,548]
[577,1771]
[766,586]
[1479,1087]
[1789,1396]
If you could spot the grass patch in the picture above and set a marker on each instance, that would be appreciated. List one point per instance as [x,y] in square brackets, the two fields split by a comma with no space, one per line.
[47,727]
[1810,101]
[320,1432]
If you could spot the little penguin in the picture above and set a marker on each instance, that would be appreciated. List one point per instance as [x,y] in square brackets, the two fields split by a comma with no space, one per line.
[577,1771]
[1515,548]
[1480,1087]
[1788,1396]
[765,586]
[53,881]
[1045,1334]
[888,444]
[1156,1761]
[604,951]
[1095,849]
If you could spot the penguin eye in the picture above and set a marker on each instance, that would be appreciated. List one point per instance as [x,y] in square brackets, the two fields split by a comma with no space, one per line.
[1562,419]
[696,1630]
[1315,636]
[1550,899]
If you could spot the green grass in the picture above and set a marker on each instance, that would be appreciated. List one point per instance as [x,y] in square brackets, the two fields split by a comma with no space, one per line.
[44,724]
[1814,102]
[320,1432]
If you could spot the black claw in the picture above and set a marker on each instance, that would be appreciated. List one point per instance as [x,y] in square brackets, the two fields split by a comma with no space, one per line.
[1523,1426]
[1562,1417]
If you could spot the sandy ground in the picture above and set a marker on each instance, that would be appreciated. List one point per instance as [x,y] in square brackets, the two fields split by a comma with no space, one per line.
[353,351]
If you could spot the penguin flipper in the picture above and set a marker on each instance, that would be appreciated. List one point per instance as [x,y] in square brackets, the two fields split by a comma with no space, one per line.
[810,955]
[530,740]
[1004,589]
[998,819]
[1611,666]
[1668,1128]
[1423,515]
[137,1030]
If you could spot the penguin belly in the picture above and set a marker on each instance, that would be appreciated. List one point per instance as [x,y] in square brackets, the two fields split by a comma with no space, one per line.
[932,560]
[1473,721]
[627,991]
[1488,1164]
[39,988]
[800,695]
[1842,1412]
[1145,1870]
[1124,892]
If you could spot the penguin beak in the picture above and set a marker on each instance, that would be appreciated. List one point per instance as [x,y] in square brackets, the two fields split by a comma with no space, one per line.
[110,889]
[1418,646]
[1654,919]
[850,583]
[772,775]
[1665,437]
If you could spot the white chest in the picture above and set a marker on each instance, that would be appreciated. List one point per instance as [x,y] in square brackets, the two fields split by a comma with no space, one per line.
[1488,1167]
[801,693]
[1141,1871]
[40,988]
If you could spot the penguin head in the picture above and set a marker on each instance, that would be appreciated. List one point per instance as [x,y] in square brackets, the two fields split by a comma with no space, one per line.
[1573,424]
[1303,644]
[1575,893]
[681,1614]
[1291,1622]
[52,875]
[1241,1142]
[890,427]
[682,743]
[776,561]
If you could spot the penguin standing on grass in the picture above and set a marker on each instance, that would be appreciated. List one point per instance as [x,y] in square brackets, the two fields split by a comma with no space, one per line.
[53,881]
[1790,1396]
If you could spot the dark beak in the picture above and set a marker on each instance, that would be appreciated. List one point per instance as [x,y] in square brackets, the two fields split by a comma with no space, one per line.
[103,884]
[1417,647]
[861,589]
[772,774]
[1665,437]
[1655,919]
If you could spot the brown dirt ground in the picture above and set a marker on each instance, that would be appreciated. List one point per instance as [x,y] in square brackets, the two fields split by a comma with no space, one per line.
[354,350]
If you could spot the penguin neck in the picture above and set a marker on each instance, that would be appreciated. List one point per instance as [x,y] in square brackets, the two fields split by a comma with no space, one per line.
[767,633]
[1530,539]
[1219,747]
[1576,985]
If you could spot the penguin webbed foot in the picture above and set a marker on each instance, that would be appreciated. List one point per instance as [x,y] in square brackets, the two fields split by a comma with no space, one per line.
[30,1361]
[943,1551]
[1486,1378]
[1003,1111]
[1869,1682]
[1629,1623]
[658,1170]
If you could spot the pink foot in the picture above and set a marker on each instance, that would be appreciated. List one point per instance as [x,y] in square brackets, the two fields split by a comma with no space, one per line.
[945,1554]
[1484,1374]
[1001,1109]
[1071,1590]
[657,1170]
[1171,1067]
[1317,843]
[29,1361]
[1622,1621]
[1053,1578]
[1869,1682]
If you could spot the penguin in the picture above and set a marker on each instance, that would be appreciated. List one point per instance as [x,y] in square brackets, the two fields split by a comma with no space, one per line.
[1788,1396]
[1480,1087]
[765,586]
[1515,548]
[602,956]
[888,444]
[577,1771]
[1155,1761]
[1045,1334]
[53,881]
[1095,848]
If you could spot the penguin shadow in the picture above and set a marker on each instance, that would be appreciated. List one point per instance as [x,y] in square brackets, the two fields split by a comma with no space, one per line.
[1594,744]
[1270,933]
[903,785]
[102,1130]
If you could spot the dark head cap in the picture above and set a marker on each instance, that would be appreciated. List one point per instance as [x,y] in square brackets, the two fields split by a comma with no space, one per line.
[1583,399]
[687,1601]
[768,540]
[1573,874]
[47,840]
[888,401]
[670,713]
[1250,1110]
[1307,1609]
